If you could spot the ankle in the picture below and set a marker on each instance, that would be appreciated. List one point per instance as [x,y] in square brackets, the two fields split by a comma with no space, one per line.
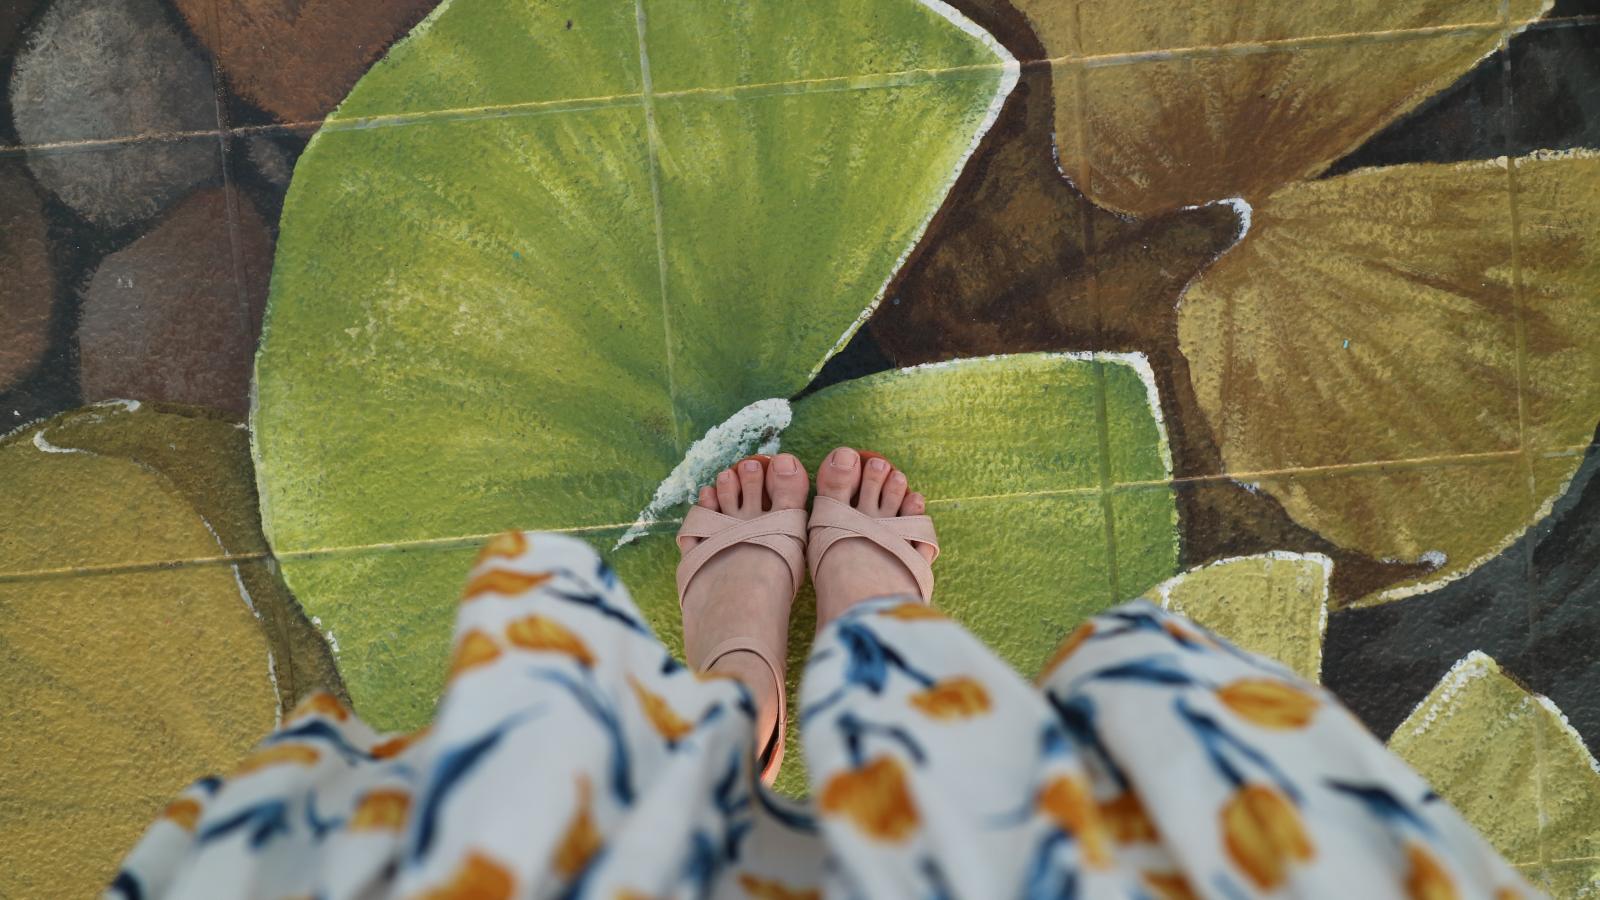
[756,676]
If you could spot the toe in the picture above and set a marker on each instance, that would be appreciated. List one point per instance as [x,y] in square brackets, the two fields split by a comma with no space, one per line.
[839,475]
[727,492]
[894,493]
[915,505]
[786,482]
[750,488]
[874,474]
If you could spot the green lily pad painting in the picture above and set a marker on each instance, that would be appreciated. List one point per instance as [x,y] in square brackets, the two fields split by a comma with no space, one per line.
[559,315]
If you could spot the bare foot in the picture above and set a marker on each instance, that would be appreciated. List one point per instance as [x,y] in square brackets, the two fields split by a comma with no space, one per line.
[746,590]
[857,570]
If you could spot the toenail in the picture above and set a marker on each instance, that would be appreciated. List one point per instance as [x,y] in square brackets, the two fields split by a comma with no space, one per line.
[843,458]
[787,465]
[877,465]
[750,465]
[724,476]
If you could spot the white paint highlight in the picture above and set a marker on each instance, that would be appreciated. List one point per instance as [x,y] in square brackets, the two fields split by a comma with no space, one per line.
[752,429]
[40,442]
[1469,668]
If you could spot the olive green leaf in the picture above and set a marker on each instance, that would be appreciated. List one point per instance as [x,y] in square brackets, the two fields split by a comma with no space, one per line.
[1275,604]
[524,267]
[1508,761]
[120,685]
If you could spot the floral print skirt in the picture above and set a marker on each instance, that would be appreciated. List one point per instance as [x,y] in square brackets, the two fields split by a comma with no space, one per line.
[572,756]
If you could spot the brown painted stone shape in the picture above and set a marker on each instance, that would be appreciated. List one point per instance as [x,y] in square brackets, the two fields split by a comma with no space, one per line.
[166,318]
[299,60]
[27,285]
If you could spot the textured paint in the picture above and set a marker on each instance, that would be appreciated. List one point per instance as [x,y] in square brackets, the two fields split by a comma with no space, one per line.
[525,258]
[1020,510]
[1275,605]
[545,248]
[1148,138]
[1508,760]
[164,319]
[118,688]
[204,457]
[1282,393]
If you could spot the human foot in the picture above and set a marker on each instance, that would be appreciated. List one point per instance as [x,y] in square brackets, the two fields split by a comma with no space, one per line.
[853,570]
[740,595]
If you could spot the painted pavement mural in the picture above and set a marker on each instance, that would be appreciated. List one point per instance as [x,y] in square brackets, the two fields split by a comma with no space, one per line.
[1284,315]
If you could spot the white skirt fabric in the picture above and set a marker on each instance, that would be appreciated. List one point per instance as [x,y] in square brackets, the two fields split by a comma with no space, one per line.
[572,756]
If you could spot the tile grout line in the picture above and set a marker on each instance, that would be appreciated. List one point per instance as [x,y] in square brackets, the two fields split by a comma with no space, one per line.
[465,541]
[652,148]
[652,141]
[1520,356]
[1086,235]
[844,82]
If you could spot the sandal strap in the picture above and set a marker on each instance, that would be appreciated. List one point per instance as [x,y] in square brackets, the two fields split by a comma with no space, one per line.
[771,753]
[833,521]
[783,531]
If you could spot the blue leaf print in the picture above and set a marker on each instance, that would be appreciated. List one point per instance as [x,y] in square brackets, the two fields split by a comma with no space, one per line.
[1162,670]
[1381,803]
[1077,717]
[127,885]
[1047,878]
[317,729]
[263,822]
[854,730]
[453,765]
[590,700]
[318,826]
[1216,739]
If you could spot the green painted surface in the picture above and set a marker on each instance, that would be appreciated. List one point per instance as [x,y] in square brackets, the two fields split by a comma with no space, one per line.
[470,325]
[1510,763]
[768,43]
[1008,450]
[488,53]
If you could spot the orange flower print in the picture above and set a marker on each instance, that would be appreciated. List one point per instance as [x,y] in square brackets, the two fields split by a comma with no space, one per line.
[509,544]
[875,798]
[1066,801]
[765,889]
[582,840]
[1067,648]
[278,754]
[503,581]
[397,745]
[183,812]
[1126,819]
[1427,879]
[1185,635]
[1169,886]
[1264,836]
[952,698]
[320,703]
[544,633]
[1269,703]
[667,723]
[474,649]
[382,809]
[913,612]
[477,878]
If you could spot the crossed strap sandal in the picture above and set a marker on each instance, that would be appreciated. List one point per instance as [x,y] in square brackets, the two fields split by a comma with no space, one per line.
[783,531]
[833,521]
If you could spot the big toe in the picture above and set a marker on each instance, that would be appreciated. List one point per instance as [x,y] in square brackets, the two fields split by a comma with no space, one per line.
[839,475]
[786,482]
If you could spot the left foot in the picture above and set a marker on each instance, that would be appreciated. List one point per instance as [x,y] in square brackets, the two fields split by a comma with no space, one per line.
[746,590]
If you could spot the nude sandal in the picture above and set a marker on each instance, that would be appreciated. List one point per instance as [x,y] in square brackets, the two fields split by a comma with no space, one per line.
[833,521]
[783,531]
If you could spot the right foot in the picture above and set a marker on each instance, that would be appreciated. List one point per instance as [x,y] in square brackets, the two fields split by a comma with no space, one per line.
[855,570]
